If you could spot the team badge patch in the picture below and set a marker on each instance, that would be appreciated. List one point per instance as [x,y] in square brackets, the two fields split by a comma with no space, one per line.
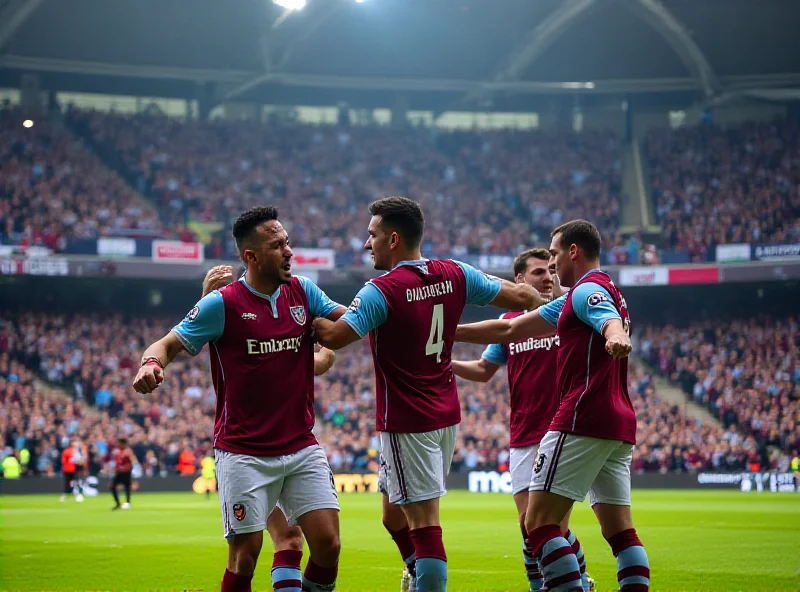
[193,313]
[298,314]
[597,298]
[239,511]
[537,466]
[355,304]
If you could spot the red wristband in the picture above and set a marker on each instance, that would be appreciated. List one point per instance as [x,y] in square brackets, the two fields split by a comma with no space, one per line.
[152,360]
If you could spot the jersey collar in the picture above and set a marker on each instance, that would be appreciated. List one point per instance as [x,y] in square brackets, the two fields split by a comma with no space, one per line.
[272,299]
[416,262]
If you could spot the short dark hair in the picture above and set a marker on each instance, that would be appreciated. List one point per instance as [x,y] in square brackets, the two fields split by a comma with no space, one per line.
[402,215]
[248,221]
[122,441]
[582,233]
[521,260]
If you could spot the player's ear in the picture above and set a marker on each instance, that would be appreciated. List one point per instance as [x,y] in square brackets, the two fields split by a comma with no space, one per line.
[395,240]
[519,278]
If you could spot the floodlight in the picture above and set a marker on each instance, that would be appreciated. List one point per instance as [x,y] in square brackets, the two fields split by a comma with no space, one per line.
[27,123]
[291,4]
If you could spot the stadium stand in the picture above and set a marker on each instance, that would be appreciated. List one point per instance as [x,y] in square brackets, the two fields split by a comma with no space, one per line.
[747,373]
[706,179]
[53,188]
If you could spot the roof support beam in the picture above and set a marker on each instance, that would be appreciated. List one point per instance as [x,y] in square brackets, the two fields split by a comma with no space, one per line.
[13,17]
[675,34]
[270,51]
[537,42]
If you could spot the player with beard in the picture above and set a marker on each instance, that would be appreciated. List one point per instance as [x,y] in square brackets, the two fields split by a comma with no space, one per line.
[411,313]
[589,444]
[531,367]
[262,361]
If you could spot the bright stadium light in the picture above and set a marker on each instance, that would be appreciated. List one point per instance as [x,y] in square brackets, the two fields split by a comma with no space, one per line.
[27,123]
[359,1]
[291,4]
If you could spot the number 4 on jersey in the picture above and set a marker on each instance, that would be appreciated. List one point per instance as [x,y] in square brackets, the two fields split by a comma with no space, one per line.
[435,344]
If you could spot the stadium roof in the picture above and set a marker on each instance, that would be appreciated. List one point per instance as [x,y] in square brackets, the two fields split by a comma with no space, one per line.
[439,53]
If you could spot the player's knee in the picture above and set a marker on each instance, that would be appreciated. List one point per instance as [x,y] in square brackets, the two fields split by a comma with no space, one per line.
[327,548]
[243,559]
[291,541]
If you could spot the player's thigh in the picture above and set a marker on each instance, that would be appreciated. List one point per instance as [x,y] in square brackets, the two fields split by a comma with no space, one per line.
[415,466]
[422,513]
[610,495]
[567,464]
[321,529]
[248,488]
[393,517]
[284,537]
[521,466]
[308,485]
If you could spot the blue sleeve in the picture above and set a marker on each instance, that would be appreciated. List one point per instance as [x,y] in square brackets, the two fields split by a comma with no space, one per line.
[481,288]
[319,305]
[495,354]
[204,323]
[594,305]
[368,310]
[552,310]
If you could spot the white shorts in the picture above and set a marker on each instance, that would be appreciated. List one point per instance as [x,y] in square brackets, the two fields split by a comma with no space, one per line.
[417,465]
[572,466]
[521,467]
[251,486]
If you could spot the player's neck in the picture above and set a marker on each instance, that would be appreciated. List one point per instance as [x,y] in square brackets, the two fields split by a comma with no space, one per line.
[260,285]
[406,256]
[584,267]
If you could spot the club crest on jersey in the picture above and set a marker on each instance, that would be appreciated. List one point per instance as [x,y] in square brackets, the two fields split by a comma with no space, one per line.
[597,298]
[249,316]
[298,314]
[239,511]
[355,304]
[537,466]
[193,313]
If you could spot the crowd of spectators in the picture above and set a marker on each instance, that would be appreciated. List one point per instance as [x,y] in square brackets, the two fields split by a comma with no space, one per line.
[53,188]
[747,372]
[714,185]
[93,359]
[490,192]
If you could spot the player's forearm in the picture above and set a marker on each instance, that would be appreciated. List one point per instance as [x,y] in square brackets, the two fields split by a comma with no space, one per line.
[614,328]
[334,335]
[475,370]
[485,332]
[518,297]
[323,361]
[164,350]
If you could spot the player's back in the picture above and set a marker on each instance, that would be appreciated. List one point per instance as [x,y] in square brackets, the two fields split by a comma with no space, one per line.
[416,389]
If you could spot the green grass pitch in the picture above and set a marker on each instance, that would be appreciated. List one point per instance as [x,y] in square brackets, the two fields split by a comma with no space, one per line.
[696,541]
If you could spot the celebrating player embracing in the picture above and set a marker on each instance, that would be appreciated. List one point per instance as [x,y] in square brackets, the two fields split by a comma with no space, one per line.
[262,361]
[589,445]
[531,365]
[411,313]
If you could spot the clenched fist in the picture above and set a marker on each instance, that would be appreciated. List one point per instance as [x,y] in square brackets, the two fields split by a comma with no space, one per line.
[619,346]
[148,378]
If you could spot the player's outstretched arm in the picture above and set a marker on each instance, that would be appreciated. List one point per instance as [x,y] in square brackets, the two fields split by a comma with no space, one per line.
[480,370]
[517,297]
[505,330]
[334,335]
[323,360]
[154,360]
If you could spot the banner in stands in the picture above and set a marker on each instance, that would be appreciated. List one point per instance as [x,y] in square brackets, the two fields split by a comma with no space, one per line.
[116,247]
[694,275]
[177,251]
[36,266]
[734,252]
[775,252]
[313,259]
[643,276]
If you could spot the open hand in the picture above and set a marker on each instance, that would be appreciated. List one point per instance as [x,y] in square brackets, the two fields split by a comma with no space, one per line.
[217,277]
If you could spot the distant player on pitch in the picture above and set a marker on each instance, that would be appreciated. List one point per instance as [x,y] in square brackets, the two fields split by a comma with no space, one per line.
[589,445]
[534,399]
[124,459]
[262,362]
[411,313]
